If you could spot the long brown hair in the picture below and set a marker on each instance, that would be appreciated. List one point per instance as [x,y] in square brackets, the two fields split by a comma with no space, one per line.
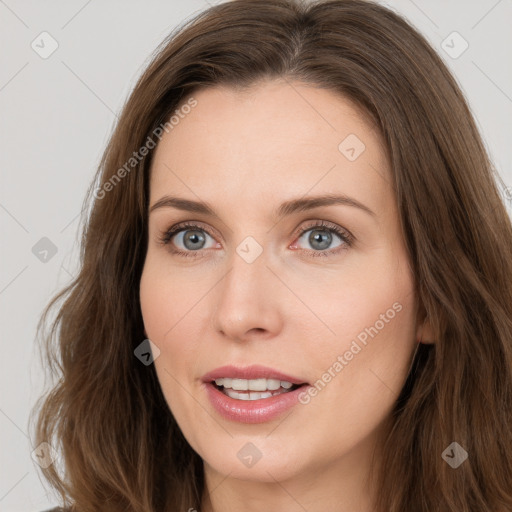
[105,413]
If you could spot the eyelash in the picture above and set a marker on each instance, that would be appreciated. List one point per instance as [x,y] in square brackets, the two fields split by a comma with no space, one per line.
[344,235]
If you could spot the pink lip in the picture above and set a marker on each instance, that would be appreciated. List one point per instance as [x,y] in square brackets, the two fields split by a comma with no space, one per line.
[250,372]
[251,411]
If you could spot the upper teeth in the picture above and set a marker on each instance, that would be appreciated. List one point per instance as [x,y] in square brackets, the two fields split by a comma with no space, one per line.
[253,384]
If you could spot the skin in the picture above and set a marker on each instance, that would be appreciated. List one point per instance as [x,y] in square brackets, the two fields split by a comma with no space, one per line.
[246,152]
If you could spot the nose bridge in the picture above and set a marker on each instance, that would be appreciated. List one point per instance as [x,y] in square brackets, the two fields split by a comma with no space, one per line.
[244,298]
[247,276]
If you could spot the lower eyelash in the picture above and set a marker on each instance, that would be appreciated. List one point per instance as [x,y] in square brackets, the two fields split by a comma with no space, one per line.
[347,239]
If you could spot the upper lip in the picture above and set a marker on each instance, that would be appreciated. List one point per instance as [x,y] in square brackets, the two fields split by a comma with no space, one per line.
[250,372]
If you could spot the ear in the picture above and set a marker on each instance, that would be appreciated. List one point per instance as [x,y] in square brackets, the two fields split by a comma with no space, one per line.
[424,333]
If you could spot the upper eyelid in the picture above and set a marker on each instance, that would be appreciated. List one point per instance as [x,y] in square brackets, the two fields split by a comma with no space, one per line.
[185,225]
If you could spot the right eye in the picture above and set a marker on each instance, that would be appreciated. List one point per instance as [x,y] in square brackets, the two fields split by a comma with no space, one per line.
[187,239]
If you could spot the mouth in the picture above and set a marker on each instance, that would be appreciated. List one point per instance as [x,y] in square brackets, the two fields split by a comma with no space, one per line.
[252,394]
[253,389]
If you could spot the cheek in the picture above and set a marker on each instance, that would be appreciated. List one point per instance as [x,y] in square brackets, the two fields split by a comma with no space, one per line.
[153,301]
[167,306]
[164,312]
[363,366]
[167,298]
[371,301]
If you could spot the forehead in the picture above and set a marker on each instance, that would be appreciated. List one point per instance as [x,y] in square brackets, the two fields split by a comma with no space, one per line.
[275,139]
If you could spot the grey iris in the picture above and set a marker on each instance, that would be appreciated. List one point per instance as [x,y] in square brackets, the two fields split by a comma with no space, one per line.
[322,237]
[193,236]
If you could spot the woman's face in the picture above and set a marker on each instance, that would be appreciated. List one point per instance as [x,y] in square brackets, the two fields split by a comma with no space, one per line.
[275,287]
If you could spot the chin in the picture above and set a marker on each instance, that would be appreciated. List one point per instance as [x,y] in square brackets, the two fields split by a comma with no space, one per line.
[261,460]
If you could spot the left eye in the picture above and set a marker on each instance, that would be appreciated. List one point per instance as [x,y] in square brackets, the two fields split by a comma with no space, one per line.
[321,238]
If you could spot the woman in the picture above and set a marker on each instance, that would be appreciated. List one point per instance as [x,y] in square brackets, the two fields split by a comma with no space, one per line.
[295,288]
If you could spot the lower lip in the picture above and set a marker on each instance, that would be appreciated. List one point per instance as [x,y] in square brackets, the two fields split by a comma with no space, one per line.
[252,411]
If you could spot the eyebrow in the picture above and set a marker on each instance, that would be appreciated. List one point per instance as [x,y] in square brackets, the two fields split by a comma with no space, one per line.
[287,208]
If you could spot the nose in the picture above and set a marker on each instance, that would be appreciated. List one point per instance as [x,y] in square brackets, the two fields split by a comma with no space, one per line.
[248,300]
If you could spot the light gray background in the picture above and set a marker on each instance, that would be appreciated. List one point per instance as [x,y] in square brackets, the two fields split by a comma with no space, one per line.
[57,114]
